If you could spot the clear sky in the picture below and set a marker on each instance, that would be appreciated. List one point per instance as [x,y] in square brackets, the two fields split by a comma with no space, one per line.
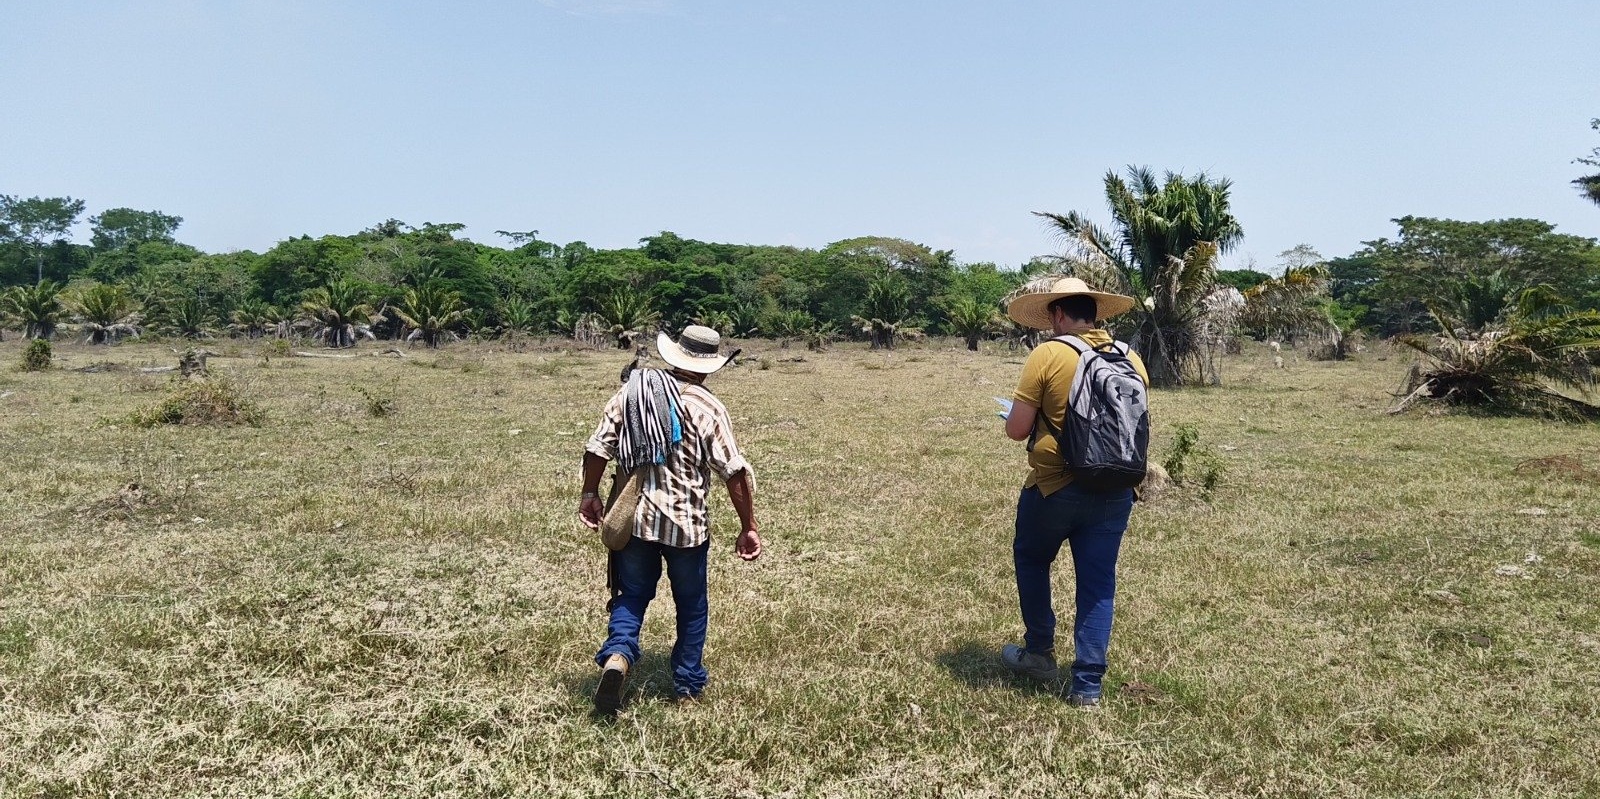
[796,123]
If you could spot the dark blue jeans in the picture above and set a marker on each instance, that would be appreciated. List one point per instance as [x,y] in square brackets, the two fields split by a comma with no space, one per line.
[1092,525]
[638,569]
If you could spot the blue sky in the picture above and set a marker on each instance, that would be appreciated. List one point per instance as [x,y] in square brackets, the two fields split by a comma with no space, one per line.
[796,123]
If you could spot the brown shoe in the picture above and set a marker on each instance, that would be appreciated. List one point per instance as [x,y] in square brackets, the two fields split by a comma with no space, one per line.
[1031,664]
[613,675]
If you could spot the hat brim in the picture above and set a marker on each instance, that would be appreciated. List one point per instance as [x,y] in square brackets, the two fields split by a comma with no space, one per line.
[681,358]
[1033,310]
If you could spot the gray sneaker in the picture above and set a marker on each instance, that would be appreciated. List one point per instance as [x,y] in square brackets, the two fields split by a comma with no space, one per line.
[1083,700]
[1029,664]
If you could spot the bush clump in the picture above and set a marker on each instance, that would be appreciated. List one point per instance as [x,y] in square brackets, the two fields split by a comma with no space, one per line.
[1190,461]
[379,403]
[36,356]
[208,402]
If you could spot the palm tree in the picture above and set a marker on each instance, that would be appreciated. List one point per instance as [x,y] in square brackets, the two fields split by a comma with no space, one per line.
[254,318]
[1162,250]
[38,307]
[517,316]
[430,312]
[1475,302]
[786,325]
[627,314]
[1589,185]
[742,320]
[186,316]
[477,323]
[1292,306]
[338,314]
[819,336]
[720,321]
[888,302]
[970,320]
[108,313]
[1539,342]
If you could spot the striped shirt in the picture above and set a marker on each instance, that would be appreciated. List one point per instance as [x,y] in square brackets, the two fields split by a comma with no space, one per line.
[672,502]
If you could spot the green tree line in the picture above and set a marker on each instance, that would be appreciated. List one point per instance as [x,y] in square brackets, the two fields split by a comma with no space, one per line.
[430,284]
[396,279]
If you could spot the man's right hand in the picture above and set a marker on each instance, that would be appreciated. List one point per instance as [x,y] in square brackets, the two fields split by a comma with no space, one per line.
[590,512]
[748,545]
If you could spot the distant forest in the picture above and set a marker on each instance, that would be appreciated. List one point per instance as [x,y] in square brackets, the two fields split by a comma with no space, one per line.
[396,280]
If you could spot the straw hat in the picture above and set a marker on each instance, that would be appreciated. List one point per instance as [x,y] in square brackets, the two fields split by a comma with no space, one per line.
[1033,309]
[696,350]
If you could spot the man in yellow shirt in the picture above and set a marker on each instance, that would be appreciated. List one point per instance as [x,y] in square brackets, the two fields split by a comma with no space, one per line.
[1051,511]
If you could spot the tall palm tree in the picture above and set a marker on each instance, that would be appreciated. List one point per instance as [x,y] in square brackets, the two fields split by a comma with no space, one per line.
[1589,185]
[887,304]
[108,312]
[38,307]
[339,314]
[970,320]
[1161,250]
[628,314]
[430,312]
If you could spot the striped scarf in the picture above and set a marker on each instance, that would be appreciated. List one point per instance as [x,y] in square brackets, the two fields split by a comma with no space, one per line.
[650,425]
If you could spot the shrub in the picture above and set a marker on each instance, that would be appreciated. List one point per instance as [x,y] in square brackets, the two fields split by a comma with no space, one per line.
[1190,460]
[36,356]
[208,402]
[379,403]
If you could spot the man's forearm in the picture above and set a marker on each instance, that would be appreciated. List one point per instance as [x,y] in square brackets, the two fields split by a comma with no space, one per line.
[742,492]
[594,468]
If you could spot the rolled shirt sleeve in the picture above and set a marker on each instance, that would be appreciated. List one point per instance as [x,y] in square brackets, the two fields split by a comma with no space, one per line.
[604,440]
[722,450]
[1030,385]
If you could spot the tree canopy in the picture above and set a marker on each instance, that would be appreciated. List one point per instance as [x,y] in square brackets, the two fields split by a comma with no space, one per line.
[1162,246]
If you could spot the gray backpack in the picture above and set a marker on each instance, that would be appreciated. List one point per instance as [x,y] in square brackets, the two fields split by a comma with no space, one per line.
[1107,433]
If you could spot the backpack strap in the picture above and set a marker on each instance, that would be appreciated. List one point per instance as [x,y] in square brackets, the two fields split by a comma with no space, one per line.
[1074,342]
[1081,347]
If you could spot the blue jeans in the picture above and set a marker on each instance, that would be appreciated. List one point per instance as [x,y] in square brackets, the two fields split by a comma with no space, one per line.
[1092,525]
[637,570]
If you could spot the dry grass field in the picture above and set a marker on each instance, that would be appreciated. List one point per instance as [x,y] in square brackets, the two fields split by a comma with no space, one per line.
[383,590]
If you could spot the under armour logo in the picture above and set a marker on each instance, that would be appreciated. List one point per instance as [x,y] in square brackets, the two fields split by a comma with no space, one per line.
[1127,393]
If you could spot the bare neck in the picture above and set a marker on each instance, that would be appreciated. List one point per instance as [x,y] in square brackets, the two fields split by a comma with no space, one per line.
[1072,327]
[692,378]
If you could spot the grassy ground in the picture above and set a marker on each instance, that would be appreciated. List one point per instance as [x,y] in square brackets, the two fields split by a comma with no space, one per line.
[383,591]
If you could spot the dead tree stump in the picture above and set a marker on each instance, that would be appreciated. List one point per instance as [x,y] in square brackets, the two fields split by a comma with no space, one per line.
[192,363]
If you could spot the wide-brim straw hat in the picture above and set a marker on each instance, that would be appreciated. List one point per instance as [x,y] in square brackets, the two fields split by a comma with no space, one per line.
[698,349]
[1033,309]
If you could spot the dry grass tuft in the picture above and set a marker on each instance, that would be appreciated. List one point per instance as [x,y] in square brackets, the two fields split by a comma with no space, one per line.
[122,505]
[1565,467]
[210,402]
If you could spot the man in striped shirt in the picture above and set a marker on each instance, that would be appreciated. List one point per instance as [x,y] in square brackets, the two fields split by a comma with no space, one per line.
[672,427]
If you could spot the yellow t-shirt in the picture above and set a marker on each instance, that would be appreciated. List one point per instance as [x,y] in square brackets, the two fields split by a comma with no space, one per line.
[1046,380]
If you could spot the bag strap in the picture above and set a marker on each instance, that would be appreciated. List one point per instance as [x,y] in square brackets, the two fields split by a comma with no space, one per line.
[1084,347]
[1081,347]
